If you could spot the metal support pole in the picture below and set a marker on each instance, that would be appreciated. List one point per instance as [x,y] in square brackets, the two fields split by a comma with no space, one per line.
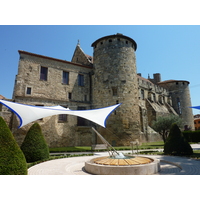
[110,149]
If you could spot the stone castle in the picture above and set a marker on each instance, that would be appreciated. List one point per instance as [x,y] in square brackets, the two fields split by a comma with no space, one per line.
[88,82]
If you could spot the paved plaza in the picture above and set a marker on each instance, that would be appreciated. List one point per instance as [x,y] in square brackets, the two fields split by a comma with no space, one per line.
[170,165]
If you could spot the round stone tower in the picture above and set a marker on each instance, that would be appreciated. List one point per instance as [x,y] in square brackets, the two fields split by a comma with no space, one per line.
[181,101]
[115,81]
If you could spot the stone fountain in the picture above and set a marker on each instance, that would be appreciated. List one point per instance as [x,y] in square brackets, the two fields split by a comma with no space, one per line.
[120,164]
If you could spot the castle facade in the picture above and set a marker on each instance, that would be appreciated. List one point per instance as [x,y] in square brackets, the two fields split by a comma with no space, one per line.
[88,82]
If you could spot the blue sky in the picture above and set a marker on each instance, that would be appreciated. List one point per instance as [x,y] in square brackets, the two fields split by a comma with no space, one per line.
[173,51]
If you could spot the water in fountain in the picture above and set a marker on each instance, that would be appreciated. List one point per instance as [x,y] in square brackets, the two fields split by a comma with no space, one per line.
[120,156]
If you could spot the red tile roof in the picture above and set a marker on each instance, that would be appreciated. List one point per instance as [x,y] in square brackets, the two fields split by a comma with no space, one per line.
[2,97]
[90,58]
[171,81]
[144,79]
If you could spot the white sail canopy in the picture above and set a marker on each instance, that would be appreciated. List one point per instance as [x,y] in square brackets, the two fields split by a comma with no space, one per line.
[28,113]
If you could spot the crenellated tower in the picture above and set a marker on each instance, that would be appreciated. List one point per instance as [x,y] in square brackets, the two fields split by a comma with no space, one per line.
[181,100]
[115,81]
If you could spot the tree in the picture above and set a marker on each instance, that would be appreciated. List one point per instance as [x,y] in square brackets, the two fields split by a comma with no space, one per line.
[162,124]
[34,145]
[176,144]
[12,159]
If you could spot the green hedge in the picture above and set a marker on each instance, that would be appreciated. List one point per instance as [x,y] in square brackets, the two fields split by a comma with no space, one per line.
[192,136]
[12,160]
[34,145]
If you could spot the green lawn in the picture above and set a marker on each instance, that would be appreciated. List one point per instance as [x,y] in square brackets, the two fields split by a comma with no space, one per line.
[149,145]
[196,154]
[70,149]
[152,145]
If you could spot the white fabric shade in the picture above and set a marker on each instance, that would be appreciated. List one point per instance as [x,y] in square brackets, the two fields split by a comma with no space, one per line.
[28,113]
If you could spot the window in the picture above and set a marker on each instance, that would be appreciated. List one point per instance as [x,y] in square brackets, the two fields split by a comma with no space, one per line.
[43,73]
[81,121]
[154,97]
[142,94]
[28,90]
[62,118]
[65,77]
[69,95]
[179,105]
[41,106]
[81,80]
[161,99]
[114,90]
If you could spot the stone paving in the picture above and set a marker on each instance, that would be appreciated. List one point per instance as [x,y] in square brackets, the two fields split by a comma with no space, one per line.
[170,165]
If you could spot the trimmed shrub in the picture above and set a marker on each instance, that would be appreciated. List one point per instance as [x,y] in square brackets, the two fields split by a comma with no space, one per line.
[192,136]
[34,145]
[176,144]
[12,159]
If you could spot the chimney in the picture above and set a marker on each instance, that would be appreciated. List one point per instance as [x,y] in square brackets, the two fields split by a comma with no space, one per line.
[157,78]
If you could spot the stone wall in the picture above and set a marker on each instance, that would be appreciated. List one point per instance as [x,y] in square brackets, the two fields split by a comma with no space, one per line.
[80,57]
[53,92]
[115,81]
[181,100]
[155,101]
[6,114]
[29,70]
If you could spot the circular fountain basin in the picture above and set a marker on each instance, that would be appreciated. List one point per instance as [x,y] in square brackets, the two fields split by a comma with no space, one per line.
[129,165]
